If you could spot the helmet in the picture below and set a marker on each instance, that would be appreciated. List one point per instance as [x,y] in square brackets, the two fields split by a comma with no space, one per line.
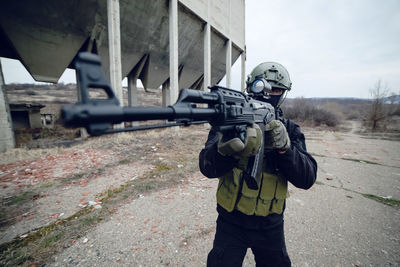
[267,76]
[274,73]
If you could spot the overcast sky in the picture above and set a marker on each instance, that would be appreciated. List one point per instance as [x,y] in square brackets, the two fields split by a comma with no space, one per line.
[335,48]
[330,48]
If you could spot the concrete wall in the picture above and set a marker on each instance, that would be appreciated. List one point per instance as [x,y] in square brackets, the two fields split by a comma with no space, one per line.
[6,134]
[225,16]
[35,119]
[26,116]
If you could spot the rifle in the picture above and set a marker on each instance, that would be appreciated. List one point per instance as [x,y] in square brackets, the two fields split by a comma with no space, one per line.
[228,111]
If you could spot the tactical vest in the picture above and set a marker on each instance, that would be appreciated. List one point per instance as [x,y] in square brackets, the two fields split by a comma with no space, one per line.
[233,193]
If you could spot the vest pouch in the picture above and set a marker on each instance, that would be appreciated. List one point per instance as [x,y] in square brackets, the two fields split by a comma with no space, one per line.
[228,189]
[272,196]
[267,194]
[277,206]
[280,195]
[248,200]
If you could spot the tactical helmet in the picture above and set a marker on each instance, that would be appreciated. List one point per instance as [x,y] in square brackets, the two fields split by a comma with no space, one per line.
[274,73]
[267,76]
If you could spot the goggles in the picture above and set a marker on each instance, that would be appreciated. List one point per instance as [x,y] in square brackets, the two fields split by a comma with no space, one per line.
[260,86]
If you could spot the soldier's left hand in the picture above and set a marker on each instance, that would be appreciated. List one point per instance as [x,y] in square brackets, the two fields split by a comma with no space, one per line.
[236,148]
[276,136]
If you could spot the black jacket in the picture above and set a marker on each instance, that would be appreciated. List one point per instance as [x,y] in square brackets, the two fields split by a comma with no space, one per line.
[296,165]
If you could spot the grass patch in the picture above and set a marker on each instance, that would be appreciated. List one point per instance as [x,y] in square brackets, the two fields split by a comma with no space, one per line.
[350,159]
[124,161]
[384,200]
[162,167]
[20,258]
[319,183]
[40,243]
[20,199]
[362,161]
[387,201]
[78,175]
[48,241]
[317,155]
[46,185]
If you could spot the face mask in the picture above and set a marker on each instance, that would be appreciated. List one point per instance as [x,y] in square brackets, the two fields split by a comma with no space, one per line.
[274,100]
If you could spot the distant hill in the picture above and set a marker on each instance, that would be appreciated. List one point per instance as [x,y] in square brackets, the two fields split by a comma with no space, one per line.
[53,96]
[66,93]
[395,99]
[338,100]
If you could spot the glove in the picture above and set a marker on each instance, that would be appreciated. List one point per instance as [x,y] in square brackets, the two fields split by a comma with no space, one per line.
[276,136]
[236,148]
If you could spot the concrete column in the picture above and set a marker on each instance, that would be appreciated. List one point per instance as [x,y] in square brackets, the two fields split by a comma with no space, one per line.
[228,62]
[132,93]
[243,69]
[166,94]
[114,43]
[229,50]
[207,57]
[207,52]
[7,140]
[82,131]
[173,52]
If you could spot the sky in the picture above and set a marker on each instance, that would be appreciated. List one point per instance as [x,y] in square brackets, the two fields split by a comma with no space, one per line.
[335,48]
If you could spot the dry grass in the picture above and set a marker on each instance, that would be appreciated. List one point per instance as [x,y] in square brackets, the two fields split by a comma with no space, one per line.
[22,154]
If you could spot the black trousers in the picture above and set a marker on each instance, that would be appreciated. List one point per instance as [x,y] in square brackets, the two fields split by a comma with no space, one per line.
[232,241]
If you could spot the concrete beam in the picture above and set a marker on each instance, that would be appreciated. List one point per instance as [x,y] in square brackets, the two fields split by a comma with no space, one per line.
[228,63]
[133,76]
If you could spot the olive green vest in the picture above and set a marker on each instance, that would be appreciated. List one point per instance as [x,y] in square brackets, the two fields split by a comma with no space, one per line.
[269,198]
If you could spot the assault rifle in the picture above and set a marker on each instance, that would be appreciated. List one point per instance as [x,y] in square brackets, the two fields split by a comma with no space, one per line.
[228,111]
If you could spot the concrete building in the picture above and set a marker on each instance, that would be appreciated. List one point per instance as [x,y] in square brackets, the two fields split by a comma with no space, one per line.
[173,44]
[26,116]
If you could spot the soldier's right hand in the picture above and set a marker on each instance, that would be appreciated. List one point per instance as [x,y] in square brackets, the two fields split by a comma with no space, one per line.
[237,148]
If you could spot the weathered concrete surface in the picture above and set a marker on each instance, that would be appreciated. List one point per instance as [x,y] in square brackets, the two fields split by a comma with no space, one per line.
[46,36]
[6,132]
[332,224]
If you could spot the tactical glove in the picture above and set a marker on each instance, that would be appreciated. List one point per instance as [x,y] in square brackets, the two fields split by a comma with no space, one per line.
[276,136]
[236,148]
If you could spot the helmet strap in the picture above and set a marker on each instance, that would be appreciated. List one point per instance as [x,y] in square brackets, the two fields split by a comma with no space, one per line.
[283,97]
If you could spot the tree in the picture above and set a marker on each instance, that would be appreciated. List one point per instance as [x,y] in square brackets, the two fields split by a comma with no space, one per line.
[377,113]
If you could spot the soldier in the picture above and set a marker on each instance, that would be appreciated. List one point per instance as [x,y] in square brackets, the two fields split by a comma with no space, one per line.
[253,218]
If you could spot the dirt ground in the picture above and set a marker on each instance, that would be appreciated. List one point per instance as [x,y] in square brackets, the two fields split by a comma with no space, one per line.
[138,199]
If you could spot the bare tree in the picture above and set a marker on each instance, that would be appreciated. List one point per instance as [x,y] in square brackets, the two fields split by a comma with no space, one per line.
[377,113]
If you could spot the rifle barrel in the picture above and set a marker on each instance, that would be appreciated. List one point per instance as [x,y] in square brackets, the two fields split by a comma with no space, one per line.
[82,115]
